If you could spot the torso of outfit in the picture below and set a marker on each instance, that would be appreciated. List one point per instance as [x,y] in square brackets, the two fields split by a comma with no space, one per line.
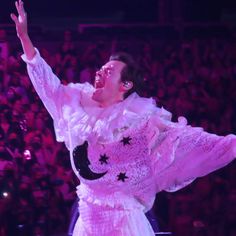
[117,187]
[124,154]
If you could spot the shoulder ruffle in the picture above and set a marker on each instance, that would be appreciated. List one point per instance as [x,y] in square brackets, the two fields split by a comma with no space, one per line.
[93,123]
[72,112]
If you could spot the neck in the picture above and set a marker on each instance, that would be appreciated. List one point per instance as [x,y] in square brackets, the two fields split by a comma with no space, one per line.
[111,101]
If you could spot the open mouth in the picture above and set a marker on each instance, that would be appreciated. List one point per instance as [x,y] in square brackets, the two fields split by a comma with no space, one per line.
[99,82]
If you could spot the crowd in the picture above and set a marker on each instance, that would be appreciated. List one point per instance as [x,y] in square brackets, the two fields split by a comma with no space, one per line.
[193,78]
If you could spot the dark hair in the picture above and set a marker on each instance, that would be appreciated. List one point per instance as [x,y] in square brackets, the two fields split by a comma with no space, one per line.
[131,72]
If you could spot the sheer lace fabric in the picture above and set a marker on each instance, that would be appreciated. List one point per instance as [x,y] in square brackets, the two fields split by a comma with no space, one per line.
[135,143]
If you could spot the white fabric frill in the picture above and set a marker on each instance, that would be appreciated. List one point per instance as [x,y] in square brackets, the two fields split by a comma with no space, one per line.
[88,121]
[116,200]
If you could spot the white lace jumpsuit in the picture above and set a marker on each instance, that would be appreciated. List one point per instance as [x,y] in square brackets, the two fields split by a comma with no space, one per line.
[133,150]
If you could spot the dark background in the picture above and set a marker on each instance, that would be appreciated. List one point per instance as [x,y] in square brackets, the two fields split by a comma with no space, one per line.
[127,10]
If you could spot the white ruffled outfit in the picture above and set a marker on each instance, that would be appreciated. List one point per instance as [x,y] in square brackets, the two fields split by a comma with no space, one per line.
[157,155]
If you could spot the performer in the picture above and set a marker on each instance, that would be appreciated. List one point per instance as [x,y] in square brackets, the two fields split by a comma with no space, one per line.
[125,148]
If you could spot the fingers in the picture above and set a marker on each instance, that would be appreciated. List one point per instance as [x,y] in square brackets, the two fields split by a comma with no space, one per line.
[20,8]
[17,7]
[21,12]
[14,18]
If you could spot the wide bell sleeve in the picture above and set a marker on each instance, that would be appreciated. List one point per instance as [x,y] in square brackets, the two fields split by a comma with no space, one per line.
[181,153]
[60,100]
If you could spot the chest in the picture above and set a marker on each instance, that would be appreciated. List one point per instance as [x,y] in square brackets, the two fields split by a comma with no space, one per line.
[122,163]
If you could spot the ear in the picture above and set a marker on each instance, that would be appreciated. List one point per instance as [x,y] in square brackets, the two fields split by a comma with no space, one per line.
[126,85]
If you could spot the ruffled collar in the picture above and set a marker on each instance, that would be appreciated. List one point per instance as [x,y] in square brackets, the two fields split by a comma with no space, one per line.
[96,124]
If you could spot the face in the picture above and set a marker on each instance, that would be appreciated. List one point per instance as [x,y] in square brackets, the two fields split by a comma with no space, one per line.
[108,83]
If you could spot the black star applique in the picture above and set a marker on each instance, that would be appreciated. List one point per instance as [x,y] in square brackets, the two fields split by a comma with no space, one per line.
[122,177]
[103,159]
[126,140]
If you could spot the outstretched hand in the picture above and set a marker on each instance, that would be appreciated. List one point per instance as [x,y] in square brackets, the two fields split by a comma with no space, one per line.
[21,20]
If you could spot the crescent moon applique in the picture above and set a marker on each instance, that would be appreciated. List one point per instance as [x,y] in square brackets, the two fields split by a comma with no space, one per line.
[80,156]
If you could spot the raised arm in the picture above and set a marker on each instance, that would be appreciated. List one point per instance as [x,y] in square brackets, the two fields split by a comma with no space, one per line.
[22,30]
[45,82]
[60,101]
